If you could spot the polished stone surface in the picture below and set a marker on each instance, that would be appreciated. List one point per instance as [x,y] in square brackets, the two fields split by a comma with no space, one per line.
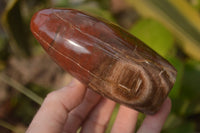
[105,57]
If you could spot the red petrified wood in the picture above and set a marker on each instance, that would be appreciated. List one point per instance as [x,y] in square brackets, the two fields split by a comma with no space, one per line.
[104,57]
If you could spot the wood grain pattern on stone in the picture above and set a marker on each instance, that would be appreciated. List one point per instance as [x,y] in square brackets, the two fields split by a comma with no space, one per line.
[104,57]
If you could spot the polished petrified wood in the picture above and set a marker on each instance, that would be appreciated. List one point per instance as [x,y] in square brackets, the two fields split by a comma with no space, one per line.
[104,57]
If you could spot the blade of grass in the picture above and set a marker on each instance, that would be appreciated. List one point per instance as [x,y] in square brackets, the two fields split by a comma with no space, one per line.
[9,126]
[112,119]
[13,83]
[187,11]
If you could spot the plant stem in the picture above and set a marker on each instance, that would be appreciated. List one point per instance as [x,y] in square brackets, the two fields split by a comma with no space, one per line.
[13,83]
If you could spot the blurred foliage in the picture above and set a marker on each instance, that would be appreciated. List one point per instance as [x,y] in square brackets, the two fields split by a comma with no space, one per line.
[104,4]
[17,28]
[4,48]
[172,28]
[179,65]
[13,23]
[24,111]
[154,34]
[177,15]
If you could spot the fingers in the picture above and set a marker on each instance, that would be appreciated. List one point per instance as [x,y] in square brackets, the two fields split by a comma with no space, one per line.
[154,123]
[99,118]
[54,111]
[125,121]
[79,114]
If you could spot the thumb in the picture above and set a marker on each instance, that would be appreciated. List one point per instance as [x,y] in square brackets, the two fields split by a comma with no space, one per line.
[54,111]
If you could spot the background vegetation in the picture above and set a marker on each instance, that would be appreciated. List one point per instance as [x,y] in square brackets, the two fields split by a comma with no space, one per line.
[170,27]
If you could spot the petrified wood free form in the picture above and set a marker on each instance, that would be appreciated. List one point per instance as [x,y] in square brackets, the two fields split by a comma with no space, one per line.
[105,58]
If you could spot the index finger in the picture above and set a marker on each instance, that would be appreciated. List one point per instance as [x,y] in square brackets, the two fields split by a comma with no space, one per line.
[53,113]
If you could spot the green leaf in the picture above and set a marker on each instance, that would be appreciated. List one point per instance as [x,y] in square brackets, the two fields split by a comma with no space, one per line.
[175,124]
[190,88]
[179,65]
[15,21]
[178,16]
[186,127]
[4,49]
[154,34]
[191,80]
[14,25]
[61,3]
[186,101]
[96,11]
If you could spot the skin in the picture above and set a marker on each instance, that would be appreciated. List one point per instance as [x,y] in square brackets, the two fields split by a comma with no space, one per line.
[67,109]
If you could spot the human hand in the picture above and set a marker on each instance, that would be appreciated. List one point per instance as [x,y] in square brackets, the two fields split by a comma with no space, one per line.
[67,109]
